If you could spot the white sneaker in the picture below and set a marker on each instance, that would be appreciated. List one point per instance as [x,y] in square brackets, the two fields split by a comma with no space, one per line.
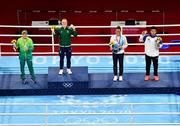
[69,71]
[61,71]
[120,78]
[115,78]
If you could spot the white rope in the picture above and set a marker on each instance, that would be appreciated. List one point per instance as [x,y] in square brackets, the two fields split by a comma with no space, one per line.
[105,35]
[106,53]
[52,39]
[86,104]
[130,26]
[0,50]
[89,53]
[127,35]
[129,44]
[13,35]
[97,124]
[76,113]
[136,35]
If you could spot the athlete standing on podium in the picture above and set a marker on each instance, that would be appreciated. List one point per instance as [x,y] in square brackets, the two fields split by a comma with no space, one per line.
[65,33]
[118,43]
[25,47]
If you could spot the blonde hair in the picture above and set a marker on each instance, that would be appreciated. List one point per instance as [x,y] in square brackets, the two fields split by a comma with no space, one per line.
[64,19]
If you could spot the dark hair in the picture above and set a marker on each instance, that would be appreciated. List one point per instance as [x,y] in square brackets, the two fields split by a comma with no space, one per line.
[118,27]
[153,28]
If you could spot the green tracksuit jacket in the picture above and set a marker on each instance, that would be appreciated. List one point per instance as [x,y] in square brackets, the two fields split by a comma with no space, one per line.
[25,55]
[65,36]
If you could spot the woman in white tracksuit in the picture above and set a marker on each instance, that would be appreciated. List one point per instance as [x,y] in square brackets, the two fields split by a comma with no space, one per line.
[118,43]
[152,44]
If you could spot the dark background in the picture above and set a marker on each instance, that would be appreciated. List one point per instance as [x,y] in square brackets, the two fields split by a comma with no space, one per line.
[20,12]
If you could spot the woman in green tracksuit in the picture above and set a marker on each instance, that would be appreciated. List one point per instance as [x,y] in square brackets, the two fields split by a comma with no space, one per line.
[25,47]
[64,33]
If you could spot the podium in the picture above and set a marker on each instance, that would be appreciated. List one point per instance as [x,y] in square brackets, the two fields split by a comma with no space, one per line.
[83,83]
[77,80]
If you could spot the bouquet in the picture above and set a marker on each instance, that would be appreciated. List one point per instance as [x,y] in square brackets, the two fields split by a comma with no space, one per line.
[14,43]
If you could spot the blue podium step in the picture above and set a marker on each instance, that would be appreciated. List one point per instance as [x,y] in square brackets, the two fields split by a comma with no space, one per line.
[79,79]
[82,83]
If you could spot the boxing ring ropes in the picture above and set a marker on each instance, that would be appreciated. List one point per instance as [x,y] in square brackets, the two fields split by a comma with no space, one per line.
[83,27]
[47,114]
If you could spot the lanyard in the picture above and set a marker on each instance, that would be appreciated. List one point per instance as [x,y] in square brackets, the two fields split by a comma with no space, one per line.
[117,39]
[25,42]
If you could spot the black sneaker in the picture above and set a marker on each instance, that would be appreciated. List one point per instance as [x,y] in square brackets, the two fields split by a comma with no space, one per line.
[24,81]
[33,81]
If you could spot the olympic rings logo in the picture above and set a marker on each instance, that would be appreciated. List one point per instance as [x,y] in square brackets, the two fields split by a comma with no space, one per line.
[67,84]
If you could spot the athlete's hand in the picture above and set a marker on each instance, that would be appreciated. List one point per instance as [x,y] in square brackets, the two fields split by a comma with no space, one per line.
[14,47]
[111,48]
[120,47]
[73,27]
[144,32]
[53,29]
